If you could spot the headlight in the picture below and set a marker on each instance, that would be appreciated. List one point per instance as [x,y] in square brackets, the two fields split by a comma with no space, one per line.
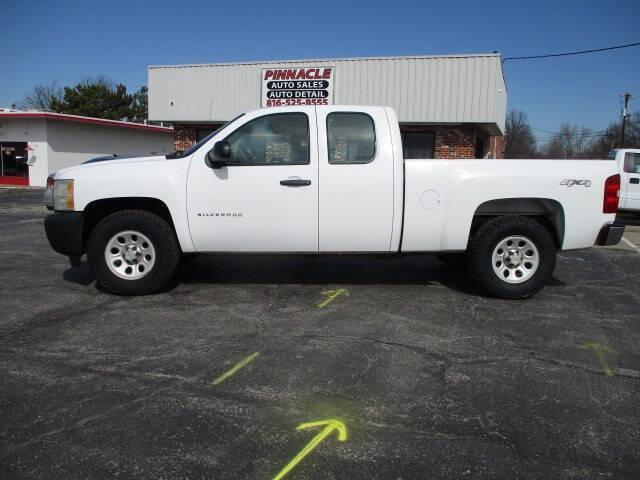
[63,195]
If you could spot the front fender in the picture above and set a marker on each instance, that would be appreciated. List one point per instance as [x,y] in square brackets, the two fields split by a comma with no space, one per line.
[163,180]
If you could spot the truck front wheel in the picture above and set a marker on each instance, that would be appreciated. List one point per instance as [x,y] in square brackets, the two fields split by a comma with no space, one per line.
[512,257]
[133,252]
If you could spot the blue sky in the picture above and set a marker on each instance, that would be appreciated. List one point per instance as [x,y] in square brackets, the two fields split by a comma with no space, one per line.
[67,40]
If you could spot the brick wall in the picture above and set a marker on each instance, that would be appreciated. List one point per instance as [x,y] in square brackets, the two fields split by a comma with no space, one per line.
[460,141]
[456,142]
[495,146]
[184,136]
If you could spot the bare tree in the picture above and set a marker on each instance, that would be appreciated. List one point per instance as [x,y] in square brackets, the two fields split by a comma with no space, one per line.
[41,96]
[98,80]
[602,144]
[520,142]
[570,142]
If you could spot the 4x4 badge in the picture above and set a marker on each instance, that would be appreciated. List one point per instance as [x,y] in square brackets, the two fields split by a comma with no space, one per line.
[570,182]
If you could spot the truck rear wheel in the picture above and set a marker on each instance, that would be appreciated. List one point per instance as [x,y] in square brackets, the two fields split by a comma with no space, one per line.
[133,252]
[512,257]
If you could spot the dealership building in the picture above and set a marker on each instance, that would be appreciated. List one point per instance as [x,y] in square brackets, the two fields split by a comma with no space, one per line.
[34,144]
[448,106]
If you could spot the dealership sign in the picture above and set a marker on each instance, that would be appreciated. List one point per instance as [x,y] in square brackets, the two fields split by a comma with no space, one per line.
[297,86]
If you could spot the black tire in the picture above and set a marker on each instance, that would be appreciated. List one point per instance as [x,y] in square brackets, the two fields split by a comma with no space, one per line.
[158,231]
[487,238]
[457,260]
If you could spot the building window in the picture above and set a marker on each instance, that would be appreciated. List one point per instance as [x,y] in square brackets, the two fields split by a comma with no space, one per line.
[13,159]
[419,144]
[279,139]
[351,138]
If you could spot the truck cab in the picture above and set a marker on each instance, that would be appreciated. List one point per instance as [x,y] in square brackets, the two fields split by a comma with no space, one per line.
[298,179]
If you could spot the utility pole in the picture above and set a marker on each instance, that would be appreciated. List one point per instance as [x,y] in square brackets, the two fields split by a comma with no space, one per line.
[627,97]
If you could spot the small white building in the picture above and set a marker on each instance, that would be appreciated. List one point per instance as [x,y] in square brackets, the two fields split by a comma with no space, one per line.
[34,144]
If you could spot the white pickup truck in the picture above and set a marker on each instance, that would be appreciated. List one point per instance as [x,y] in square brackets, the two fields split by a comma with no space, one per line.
[328,179]
[628,160]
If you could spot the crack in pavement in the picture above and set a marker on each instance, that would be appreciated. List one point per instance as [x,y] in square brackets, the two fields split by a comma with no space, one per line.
[449,359]
[617,372]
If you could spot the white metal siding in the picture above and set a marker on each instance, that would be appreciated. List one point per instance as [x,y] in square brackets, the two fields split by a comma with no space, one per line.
[70,144]
[454,89]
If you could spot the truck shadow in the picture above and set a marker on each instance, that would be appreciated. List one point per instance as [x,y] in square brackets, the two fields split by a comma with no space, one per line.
[311,269]
[81,276]
[418,269]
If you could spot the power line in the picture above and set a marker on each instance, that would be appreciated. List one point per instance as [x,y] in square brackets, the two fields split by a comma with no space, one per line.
[564,134]
[565,54]
[561,133]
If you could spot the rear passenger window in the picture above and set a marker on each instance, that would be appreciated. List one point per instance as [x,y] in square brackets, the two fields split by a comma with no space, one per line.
[632,162]
[351,138]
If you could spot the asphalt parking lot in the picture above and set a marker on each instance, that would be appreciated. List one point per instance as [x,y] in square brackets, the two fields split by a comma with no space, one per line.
[430,379]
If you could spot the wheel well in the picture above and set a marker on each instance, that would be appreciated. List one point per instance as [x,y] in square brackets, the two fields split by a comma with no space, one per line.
[544,210]
[95,211]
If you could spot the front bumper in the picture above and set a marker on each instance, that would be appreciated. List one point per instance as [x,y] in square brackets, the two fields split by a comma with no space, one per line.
[610,234]
[64,232]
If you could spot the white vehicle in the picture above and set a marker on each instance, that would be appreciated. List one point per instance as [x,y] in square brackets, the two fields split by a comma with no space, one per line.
[628,160]
[328,179]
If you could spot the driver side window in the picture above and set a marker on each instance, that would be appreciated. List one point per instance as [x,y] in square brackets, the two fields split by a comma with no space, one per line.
[278,139]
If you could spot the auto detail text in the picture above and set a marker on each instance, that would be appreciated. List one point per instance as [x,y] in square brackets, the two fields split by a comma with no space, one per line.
[297,86]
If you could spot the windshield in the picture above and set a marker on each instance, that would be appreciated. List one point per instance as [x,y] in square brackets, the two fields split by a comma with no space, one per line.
[192,149]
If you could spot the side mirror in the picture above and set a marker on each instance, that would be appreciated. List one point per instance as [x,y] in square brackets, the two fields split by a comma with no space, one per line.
[215,157]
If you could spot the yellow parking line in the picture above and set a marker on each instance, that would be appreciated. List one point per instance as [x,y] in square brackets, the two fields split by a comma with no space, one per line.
[233,370]
[331,295]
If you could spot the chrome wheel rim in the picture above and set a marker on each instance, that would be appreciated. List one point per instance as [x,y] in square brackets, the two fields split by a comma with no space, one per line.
[515,259]
[130,255]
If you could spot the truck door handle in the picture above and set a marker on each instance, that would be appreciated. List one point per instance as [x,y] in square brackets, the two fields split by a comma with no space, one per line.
[634,180]
[295,182]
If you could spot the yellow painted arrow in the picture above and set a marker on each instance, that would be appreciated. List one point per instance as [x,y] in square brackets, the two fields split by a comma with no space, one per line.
[329,426]
[332,295]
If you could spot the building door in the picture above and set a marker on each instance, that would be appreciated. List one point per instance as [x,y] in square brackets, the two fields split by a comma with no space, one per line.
[13,163]
[356,180]
[266,197]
